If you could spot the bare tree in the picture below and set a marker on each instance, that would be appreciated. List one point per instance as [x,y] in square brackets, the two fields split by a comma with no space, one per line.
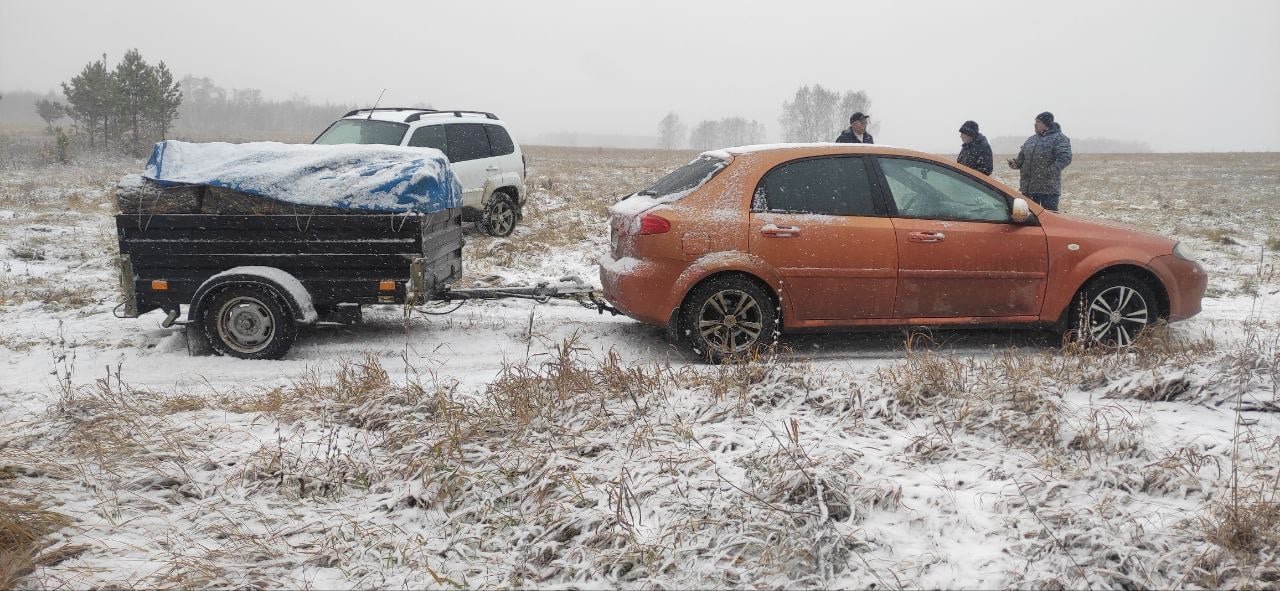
[671,131]
[816,114]
[730,131]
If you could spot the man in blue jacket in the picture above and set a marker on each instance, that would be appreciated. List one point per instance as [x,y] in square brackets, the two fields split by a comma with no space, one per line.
[857,132]
[1041,160]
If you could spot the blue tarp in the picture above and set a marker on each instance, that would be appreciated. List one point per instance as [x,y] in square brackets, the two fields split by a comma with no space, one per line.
[365,177]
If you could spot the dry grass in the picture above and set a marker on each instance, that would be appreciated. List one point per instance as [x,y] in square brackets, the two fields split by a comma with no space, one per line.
[23,528]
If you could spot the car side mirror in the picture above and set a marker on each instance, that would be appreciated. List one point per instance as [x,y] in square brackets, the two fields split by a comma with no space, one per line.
[1021,212]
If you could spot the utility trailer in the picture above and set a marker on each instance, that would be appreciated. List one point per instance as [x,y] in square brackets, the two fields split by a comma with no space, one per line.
[259,239]
[250,280]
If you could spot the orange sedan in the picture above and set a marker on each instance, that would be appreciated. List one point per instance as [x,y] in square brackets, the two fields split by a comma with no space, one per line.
[744,244]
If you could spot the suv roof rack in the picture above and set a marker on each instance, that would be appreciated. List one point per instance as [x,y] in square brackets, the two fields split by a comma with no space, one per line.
[456,113]
[421,111]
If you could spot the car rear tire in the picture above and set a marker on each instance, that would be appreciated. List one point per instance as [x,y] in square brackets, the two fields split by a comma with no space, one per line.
[249,322]
[499,216]
[1113,310]
[727,318]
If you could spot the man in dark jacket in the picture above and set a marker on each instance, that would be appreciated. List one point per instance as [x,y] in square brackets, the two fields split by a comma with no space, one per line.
[1041,160]
[857,132]
[975,152]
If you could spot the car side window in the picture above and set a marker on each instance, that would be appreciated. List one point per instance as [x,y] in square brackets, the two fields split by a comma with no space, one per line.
[430,136]
[500,140]
[830,186]
[926,190]
[466,141]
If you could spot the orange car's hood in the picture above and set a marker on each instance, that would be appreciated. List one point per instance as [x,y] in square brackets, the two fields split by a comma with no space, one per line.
[1110,228]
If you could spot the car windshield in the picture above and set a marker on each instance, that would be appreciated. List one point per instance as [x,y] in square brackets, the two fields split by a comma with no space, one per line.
[686,178]
[363,131]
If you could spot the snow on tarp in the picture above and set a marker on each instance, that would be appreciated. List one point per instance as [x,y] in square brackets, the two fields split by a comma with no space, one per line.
[350,176]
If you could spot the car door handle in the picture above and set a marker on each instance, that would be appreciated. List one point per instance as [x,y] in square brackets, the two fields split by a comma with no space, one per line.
[492,168]
[780,231]
[926,237]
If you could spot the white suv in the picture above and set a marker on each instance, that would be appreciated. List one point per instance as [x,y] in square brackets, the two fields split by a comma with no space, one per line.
[486,160]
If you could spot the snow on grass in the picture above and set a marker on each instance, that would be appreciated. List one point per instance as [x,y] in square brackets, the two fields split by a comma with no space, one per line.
[511,444]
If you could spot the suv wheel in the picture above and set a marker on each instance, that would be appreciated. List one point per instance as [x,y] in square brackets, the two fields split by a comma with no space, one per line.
[729,317]
[249,322]
[499,217]
[1113,310]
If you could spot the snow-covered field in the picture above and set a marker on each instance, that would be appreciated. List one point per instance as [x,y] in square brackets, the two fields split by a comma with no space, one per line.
[512,444]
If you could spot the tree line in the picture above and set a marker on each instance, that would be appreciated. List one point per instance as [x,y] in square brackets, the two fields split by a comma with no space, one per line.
[131,105]
[814,114]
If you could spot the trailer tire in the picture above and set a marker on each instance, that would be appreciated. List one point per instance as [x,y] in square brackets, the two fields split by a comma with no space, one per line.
[499,216]
[248,322]
[197,340]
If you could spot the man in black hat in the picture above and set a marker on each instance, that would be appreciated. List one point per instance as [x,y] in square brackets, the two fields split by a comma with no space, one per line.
[857,132]
[975,152]
[1041,160]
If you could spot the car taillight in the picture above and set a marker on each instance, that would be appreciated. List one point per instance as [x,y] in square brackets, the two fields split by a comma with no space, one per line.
[653,224]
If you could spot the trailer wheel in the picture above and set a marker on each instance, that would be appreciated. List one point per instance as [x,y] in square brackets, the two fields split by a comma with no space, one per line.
[249,322]
[499,217]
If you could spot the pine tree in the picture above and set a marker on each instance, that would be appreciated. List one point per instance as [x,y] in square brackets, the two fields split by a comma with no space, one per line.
[133,79]
[50,111]
[90,100]
[163,101]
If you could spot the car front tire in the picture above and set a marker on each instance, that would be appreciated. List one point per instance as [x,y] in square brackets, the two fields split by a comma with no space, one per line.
[1113,310]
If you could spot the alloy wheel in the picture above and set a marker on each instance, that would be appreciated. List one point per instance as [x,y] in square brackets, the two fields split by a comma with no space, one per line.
[730,321]
[1117,315]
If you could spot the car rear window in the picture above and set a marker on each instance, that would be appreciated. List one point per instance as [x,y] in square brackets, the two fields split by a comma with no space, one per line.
[363,131]
[686,178]
[500,140]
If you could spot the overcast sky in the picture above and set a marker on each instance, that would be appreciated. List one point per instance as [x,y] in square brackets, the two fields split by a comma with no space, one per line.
[1181,76]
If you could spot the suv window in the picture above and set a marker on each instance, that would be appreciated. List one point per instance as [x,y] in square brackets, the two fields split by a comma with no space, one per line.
[500,140]
[687,177]
[430,136]
[363,131]
[926,190]
[466,141]
[831,186]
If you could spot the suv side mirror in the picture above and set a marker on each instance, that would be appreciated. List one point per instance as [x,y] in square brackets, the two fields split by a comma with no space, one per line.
[1021,212]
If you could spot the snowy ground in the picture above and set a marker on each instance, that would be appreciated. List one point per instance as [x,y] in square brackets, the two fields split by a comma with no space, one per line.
[513,444]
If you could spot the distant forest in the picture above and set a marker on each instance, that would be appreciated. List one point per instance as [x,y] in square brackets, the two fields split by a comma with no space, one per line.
[210,111]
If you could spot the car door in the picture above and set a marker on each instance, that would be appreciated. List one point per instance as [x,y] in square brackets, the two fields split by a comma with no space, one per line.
[960,255]
[469,152]
[816,221]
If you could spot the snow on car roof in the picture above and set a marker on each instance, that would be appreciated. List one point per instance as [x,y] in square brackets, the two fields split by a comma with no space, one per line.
[729,153]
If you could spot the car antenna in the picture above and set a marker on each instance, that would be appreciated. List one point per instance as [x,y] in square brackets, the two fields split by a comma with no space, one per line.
[375,104]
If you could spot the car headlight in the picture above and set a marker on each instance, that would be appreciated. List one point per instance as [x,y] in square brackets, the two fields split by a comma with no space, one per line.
[1184,253]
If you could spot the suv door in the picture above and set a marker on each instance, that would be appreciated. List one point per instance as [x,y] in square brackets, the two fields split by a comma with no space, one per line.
[959,253]
[817,222]
[469,152]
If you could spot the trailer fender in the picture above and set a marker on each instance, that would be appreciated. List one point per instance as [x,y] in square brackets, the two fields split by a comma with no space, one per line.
[285,284]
